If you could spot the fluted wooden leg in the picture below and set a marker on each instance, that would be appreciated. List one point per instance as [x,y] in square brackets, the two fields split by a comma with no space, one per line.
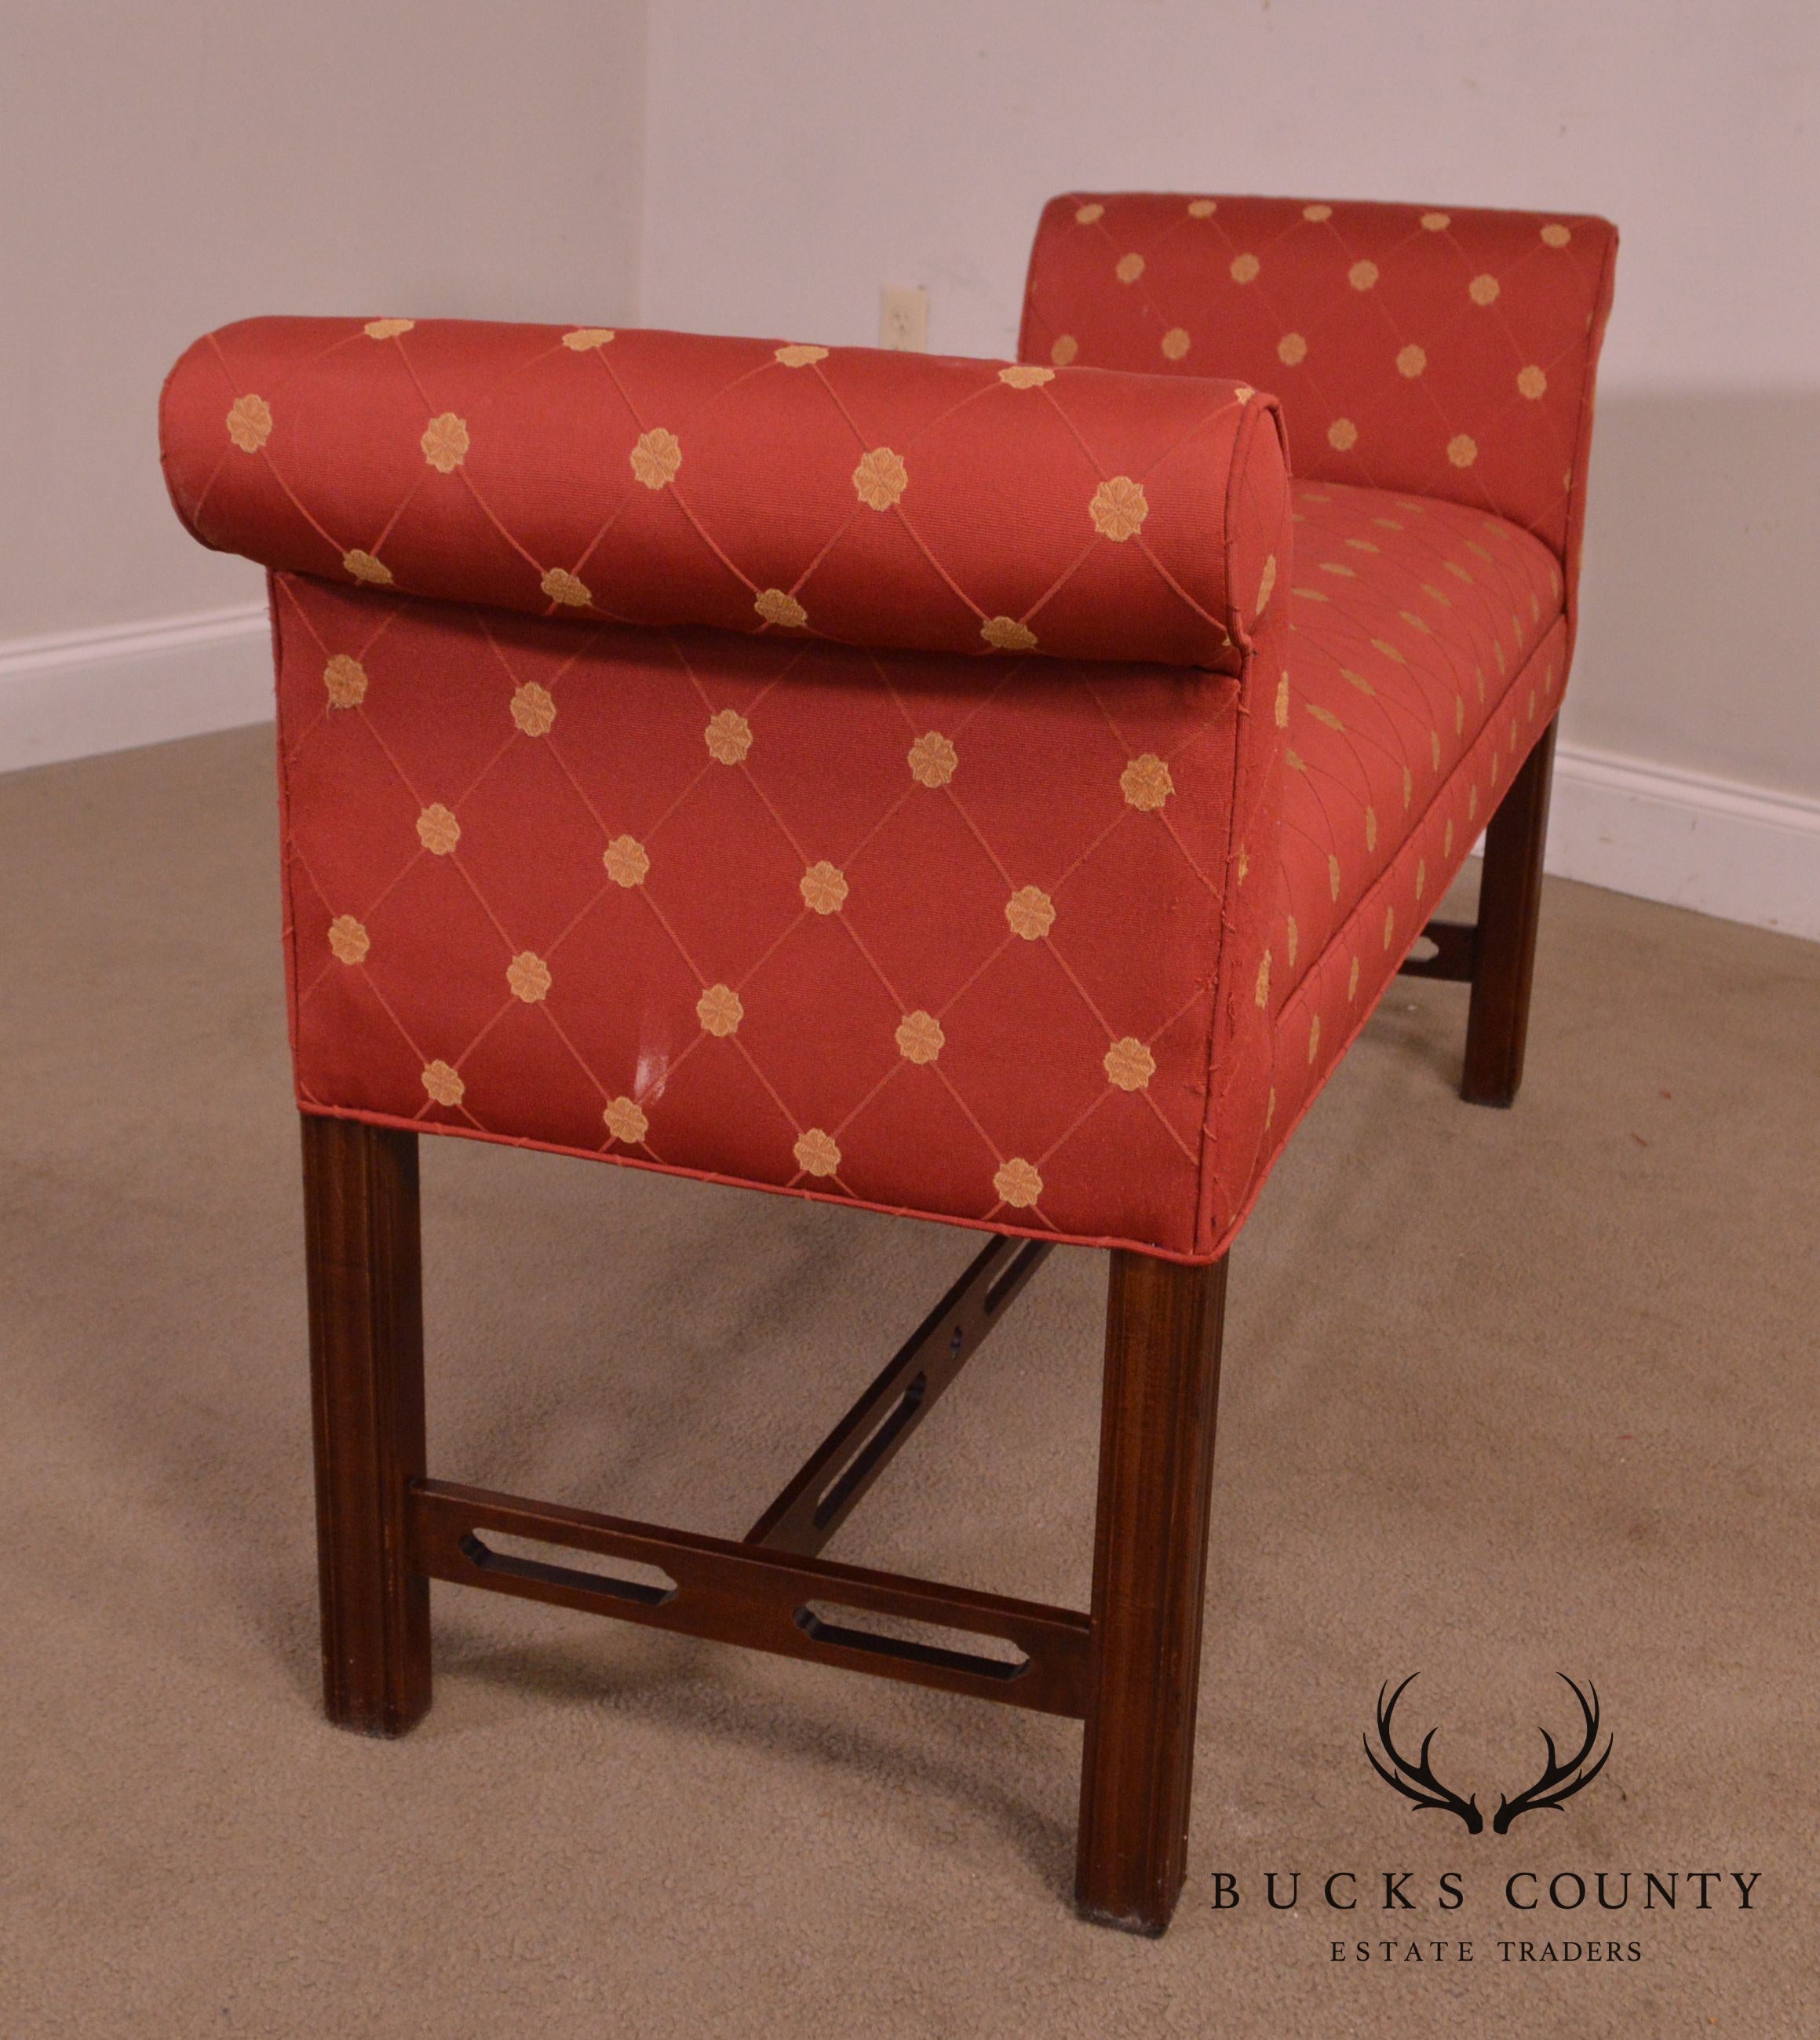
[1510,908]
[366,1375]
[1162,1389]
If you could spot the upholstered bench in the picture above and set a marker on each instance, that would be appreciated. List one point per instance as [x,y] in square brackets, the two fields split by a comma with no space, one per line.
[993,794]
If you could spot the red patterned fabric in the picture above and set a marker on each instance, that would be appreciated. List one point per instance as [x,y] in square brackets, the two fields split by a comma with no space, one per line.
[1446,352]
[1412,618]
[930,935]
[880,927]
[1334,998]
[886,500]
[850,896]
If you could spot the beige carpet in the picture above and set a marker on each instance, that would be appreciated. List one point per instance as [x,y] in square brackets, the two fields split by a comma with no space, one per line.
[1506,1393]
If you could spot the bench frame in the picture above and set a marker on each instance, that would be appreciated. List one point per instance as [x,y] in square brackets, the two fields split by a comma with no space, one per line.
[1129,1668]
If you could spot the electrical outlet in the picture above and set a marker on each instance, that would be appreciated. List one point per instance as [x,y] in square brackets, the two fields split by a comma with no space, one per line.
[904,318]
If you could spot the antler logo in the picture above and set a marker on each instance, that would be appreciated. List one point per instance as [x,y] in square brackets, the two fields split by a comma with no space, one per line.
[1558,1783]
[1416,1781]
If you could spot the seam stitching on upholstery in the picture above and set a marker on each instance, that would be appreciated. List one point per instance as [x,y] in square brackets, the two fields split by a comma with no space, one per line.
[1186,1258]
[1201,1221]
[292,1001]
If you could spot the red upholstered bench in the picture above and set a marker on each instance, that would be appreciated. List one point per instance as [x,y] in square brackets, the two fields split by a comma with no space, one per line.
[993,794]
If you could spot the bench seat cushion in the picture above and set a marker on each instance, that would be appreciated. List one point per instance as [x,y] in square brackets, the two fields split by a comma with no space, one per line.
[856,924]
[1428,653]
[936,936]
[1411,618]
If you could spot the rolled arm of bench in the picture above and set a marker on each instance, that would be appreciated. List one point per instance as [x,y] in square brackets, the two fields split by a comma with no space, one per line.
[1444,351]
[893,501]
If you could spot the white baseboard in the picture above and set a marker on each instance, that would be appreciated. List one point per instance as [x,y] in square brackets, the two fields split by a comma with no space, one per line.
[79,692]
[1739,852]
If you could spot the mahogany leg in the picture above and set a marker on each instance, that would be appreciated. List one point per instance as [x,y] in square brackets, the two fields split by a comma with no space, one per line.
[367,1380]
[1163,1332]
[1510,906]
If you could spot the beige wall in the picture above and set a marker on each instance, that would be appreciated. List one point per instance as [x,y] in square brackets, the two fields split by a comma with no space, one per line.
[168,167]
[722,164]
[799,155]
